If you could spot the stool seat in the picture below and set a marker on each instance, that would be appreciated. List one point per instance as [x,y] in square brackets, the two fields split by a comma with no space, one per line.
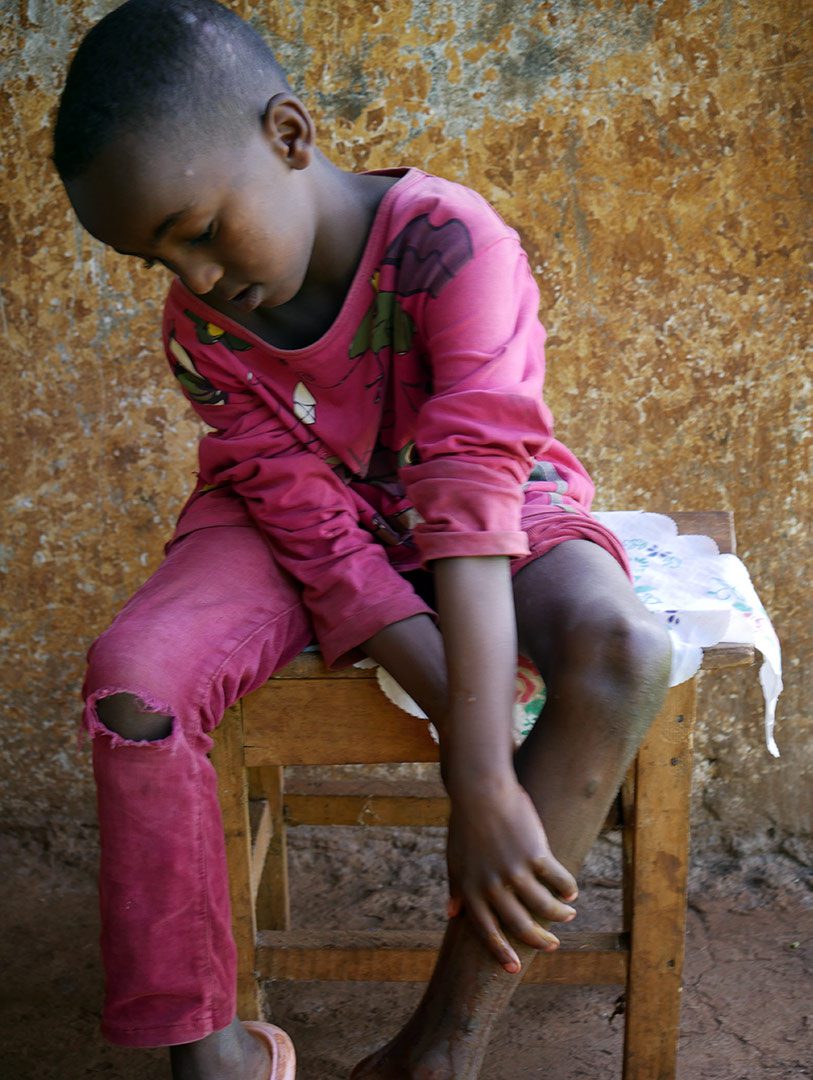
[306,715]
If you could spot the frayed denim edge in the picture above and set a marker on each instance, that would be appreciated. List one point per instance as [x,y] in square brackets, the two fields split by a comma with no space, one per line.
[92,726]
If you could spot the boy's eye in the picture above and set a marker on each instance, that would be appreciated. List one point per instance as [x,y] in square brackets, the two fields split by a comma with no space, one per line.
[205,236]
[149,263]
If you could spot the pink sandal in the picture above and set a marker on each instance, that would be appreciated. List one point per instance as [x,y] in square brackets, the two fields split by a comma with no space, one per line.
[280,1047]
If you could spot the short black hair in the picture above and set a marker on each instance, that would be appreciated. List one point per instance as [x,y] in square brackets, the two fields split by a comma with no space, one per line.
[172,64]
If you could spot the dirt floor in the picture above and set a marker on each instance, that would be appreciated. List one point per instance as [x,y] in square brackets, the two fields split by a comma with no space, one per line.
[748,1000]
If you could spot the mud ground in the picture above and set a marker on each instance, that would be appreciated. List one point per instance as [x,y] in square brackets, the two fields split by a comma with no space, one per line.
[748,999]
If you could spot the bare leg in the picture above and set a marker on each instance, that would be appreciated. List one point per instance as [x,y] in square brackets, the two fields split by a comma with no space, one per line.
[605,663]
[231,1053]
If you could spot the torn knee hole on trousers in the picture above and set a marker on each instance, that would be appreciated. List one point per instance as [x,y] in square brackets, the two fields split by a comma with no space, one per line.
[129,719]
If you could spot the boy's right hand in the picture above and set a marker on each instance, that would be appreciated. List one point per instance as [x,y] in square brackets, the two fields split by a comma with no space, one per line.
[502,871]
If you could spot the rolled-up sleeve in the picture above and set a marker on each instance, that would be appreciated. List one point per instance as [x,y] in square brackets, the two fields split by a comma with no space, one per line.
[485,421]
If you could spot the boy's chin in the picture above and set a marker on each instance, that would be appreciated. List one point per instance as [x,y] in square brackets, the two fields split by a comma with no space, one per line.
[249,299]
[281,296]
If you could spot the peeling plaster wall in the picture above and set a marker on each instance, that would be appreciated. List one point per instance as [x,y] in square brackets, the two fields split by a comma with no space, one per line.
[651,155]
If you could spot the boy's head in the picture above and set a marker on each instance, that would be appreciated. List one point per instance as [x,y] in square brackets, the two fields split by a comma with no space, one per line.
[182,70]
[178,140]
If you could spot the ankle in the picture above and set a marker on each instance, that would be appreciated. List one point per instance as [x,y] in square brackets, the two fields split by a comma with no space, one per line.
[404,1059]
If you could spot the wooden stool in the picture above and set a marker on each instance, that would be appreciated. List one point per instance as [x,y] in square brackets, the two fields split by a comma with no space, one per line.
[349,721]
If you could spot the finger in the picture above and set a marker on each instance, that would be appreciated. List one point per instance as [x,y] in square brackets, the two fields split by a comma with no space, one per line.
[559,880]
[539,901]
[516,920]
[454,907]
[495,941]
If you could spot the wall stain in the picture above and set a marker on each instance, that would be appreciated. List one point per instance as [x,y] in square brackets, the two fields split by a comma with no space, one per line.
[652,157]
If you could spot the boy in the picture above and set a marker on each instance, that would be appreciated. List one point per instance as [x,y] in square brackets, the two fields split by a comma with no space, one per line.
[367,351]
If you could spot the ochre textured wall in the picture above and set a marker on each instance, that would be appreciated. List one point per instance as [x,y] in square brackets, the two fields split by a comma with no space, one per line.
[650,154]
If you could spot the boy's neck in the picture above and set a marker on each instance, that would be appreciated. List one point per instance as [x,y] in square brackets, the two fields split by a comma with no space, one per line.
[346,203]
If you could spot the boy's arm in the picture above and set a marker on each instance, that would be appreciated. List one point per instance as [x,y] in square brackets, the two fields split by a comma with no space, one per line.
[476,439]
[500,865]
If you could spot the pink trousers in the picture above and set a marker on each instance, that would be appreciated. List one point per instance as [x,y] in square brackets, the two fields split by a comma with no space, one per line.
[216,620]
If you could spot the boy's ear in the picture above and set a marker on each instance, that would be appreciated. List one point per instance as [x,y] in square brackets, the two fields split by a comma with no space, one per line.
[288,126]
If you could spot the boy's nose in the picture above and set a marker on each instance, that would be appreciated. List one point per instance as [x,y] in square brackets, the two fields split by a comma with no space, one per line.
[201,276]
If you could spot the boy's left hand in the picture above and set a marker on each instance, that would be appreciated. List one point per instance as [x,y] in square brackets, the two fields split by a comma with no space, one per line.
[502,871]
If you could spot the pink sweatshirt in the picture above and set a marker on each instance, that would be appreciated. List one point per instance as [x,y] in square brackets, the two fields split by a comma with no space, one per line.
[406,433]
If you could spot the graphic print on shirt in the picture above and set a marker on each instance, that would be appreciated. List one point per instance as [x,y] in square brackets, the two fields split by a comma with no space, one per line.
[386,323]
[304,404]
[383,508]
[209,333]
[194,385]
[201,390]
[426,258]
[556,487]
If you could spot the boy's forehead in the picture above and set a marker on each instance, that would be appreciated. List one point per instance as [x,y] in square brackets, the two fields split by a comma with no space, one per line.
[134,185]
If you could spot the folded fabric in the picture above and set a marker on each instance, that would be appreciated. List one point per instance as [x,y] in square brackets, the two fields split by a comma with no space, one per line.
[703,597]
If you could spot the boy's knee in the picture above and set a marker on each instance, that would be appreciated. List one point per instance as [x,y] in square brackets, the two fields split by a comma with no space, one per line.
[125,715]
[627,652]
[129,689]
[637,648]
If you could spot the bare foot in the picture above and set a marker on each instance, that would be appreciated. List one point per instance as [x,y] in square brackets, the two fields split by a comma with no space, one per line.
[444,1039]
[371,1068]
[392,1062]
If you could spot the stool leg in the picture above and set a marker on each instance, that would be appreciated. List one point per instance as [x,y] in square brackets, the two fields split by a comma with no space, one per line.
[627,795]
[659,874]
[227,758]
[273,900]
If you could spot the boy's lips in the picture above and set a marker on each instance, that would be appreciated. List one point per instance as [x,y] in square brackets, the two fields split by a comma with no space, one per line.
[249,298]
